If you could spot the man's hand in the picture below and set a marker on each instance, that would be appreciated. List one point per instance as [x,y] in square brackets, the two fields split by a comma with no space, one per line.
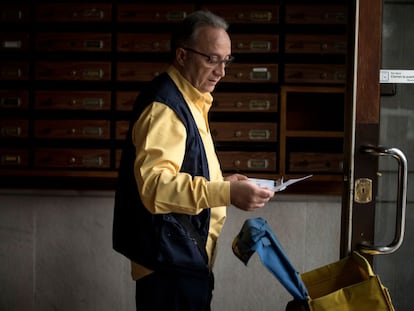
[246,195]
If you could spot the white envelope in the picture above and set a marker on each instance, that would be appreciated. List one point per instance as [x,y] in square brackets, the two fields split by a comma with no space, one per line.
[277,185]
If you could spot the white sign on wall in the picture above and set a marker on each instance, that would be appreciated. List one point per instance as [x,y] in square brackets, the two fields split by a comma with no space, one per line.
[396,76]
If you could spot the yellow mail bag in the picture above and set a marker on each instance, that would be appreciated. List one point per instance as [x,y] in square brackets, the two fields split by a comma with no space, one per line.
[349,284]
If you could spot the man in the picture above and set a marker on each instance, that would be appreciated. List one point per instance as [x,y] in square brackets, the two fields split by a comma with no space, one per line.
[171,195]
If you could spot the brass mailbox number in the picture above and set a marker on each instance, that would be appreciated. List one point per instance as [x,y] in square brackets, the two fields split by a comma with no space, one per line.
[363,190]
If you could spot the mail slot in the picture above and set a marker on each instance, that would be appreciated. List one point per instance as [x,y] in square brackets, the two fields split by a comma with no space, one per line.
[14,41]
[139,71]
[153,13]
[251,73]
[152,43]
[14,12]
[255,43]
[10,157]
[83,71]
[300,162]
[71,12]
[316,14]
[14,70]
[72,158]
[244,131]
[10,99]
[125,100]
[246,13]
[121,129]
[73,100]
[315,44]
[14,128]
[260,161]
[75,42]
[245,102]
[319,73]
[72,129]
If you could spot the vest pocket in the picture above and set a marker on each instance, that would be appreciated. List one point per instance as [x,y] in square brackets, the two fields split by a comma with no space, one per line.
[176,246]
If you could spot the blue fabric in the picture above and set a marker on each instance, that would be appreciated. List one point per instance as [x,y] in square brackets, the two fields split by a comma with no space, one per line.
[257,236]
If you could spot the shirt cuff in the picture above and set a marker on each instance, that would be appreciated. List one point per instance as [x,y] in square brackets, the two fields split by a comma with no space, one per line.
[218,193]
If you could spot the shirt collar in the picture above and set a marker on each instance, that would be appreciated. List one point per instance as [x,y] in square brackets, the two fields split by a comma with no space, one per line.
[203,101]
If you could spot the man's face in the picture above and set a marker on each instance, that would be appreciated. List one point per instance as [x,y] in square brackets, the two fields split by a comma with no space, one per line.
[196,67]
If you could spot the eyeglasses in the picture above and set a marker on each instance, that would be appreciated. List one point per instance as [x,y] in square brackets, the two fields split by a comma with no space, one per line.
[213,60]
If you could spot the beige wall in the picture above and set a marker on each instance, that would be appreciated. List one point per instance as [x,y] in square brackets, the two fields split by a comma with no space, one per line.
[56,253]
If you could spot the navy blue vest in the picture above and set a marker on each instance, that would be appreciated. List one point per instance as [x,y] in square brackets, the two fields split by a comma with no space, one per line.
[159,241]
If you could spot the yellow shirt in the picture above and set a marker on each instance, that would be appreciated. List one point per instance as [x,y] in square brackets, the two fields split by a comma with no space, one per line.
[159,137]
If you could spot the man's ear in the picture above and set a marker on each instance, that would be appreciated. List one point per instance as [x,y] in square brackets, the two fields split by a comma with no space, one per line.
[180,56]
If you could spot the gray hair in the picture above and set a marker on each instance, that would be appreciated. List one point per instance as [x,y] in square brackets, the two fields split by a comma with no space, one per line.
[185,33]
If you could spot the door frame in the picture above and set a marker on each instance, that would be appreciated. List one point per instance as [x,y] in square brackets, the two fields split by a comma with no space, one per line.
[362,117]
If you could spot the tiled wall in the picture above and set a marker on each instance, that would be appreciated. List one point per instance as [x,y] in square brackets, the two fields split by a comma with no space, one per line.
[56,253]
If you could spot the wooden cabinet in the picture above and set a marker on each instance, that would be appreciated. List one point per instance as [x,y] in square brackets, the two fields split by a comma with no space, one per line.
[71,71]
[312,131]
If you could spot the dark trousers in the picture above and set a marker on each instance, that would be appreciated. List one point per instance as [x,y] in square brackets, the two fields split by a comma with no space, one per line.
[173,291]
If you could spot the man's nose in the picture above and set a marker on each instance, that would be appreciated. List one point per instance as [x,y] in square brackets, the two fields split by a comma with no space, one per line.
[220,69]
